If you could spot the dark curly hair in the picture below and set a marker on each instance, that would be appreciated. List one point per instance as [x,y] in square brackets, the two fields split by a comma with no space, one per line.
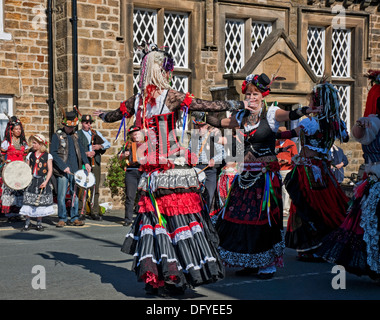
[14,122]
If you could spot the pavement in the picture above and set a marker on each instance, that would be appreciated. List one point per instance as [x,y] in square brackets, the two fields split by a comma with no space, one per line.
[86,263]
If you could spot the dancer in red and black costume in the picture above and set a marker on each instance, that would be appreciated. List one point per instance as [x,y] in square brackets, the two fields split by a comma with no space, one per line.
[13,148]
[318,203]
[355,244]
[250,224]
[172,239]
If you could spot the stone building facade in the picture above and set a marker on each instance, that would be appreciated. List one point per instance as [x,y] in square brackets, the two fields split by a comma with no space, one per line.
[82,52]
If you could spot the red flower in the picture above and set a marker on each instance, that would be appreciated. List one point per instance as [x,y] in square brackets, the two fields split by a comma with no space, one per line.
[186,102]
[123,108]
[244,86]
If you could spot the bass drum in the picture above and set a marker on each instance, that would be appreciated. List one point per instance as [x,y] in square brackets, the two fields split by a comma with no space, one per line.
[17,175]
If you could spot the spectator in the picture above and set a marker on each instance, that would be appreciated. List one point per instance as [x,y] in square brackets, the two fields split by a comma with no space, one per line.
[95,145]
[338,162]
[38,196]
[132,172]
[68,157]
[286,149]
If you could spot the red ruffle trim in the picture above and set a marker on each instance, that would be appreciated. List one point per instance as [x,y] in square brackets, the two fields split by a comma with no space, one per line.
[173,204]
[152,279]
[177,231]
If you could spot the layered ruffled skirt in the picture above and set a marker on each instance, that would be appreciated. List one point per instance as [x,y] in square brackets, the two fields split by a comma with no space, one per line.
[172,239]
[356,243]
[250,224]
[37,202]
[318,205]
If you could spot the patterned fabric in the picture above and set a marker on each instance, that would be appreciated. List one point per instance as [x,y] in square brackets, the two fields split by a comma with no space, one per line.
[34,196]
[355,244]
[183,252]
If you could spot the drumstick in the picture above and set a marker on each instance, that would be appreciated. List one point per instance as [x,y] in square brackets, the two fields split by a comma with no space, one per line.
[203,169]
[38,199]
[73,174]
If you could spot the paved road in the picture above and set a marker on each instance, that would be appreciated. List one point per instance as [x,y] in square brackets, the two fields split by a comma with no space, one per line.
[86,263]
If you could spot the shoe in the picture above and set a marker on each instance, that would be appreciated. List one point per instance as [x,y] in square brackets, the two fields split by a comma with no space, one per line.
[40,227]
[309,257]
[60,224]
[173,290]
[266,275]
[96,217]
[149,290]
[163,292]
[246,272]
[77,223]
[127,224]
[26,227]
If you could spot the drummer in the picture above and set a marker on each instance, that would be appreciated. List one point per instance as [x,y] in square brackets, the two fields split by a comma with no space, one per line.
[68,157]
[13,148]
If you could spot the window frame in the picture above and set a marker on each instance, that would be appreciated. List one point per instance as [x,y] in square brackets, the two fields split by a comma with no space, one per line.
[3,35]
[277,16]
[9,98]
[179,71]
[359,32]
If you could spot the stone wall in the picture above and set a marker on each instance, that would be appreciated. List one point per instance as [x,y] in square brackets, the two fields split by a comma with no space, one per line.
[24,64]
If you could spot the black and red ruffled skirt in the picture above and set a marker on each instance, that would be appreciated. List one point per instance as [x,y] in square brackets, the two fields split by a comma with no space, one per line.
[183,251]
[318,206]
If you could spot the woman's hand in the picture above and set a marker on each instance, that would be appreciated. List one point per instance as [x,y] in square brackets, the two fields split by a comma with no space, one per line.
[252,107]
[314,109]
[97,113]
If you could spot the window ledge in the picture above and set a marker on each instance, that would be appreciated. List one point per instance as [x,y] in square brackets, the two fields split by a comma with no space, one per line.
[5,36]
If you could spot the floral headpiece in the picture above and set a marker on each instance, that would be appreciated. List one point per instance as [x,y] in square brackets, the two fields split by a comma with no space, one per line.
[14,121]
[39,138]
[262,82]
[69,119]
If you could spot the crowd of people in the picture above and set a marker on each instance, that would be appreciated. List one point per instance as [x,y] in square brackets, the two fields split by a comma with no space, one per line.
[53,172]
[196,211]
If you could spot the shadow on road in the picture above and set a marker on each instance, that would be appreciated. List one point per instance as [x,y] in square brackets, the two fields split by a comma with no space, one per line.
[119,277]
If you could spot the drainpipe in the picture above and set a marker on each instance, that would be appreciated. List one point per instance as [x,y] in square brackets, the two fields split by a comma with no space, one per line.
[50,100]
[74,21]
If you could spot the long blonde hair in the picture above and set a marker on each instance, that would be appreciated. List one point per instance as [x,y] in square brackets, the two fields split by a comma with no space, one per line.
[152,71]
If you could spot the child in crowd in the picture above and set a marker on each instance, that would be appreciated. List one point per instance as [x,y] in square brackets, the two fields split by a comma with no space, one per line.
[38,196]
